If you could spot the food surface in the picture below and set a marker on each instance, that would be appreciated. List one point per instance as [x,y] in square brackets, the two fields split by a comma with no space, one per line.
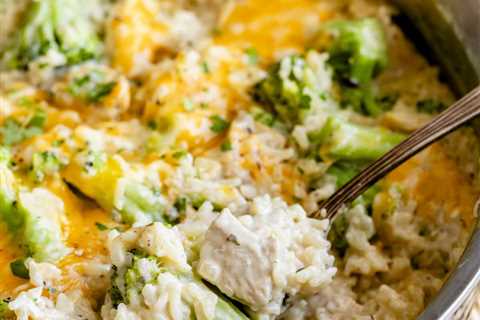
[160,159]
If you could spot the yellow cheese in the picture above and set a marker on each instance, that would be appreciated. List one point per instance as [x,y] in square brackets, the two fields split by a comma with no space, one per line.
[134,33]
[272,27]
[434,181]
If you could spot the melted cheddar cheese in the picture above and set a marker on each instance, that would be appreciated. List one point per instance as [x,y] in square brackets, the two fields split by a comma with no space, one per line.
[161,109]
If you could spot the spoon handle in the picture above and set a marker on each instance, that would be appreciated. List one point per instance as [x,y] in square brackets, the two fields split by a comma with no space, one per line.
[458,114]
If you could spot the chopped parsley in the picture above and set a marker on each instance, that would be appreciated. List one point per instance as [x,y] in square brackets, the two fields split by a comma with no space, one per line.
[13,132]
[151,124]
[91,87]
[101,90]
[179,154]
[226,146]
[205,67]
[181,204]
[101,226]
[263,116]
[38,119]
[219,125]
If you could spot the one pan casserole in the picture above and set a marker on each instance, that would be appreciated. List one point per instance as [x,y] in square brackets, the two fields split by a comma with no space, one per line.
[161,159]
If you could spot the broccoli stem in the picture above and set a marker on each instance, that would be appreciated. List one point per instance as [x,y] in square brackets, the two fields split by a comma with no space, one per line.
[61,25]
[141,201]
[344,171]
[111,187]
[42,232]
[33,217]
[358,51]
[227,311]
[347,141]
[7,189]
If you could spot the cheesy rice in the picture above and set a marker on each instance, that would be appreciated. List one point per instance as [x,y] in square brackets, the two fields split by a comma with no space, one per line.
[159,159]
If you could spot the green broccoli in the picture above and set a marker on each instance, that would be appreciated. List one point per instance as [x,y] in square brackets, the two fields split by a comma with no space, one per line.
[128,283]
[364,101]
[342,140]
[262,116]
[64,26]
[358,51]
[33,217]
[288,89]
[91,87]
[40,212]
[5,312]
[219,124]
[337,232]
[8,191]
[100,177]
[344,171]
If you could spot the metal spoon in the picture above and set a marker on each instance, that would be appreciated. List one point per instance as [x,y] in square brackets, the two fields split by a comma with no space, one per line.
[458,114]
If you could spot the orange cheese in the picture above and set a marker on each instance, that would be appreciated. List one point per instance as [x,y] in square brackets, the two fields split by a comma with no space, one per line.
[272,26]
[434,181]
[82,235]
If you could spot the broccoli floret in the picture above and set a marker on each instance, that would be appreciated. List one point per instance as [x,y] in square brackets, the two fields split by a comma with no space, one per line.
[364,101]
[141,200]
[128,283]
[342,140]
[358,51]
[33,217]
[288,88]
[336,235]
[64,26]
[143,270]
[91,87]
[41,213]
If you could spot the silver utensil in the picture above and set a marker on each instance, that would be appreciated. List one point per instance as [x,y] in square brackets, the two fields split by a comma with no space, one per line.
[457,115]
